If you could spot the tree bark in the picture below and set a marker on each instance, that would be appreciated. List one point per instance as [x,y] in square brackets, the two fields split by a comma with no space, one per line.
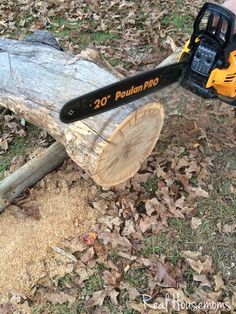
[37,79]
[29,174]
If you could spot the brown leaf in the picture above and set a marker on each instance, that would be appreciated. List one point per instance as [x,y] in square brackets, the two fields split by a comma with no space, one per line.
[3,144]
[192,258]
[195,261]
[195,265]
[97,299]
[89,238]
[115,239]
[75,244]
[60,297]
[101,205]
[180,293]
[195,223]
[182,162]
[219,283]
[172,208]
[180,202]
[6,308]
[152,206]
[145,223]
[207,265]
[139,307]
[102,310]
[58,267]
[204,282]
[200,192]
[88,255]
[83,271]
[229,228]
[191,254]
[113,294]
[162,276]
[133,293]
[129,228]
[111,278]
[99,249]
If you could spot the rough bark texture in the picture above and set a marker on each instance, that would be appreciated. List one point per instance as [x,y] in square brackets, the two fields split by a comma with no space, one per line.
[29,174]
[38,78]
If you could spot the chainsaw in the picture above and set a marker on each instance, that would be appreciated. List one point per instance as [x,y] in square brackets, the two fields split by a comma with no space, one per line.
[206,67]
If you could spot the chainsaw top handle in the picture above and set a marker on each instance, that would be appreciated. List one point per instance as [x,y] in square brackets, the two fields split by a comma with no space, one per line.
[219,24]
[216,25]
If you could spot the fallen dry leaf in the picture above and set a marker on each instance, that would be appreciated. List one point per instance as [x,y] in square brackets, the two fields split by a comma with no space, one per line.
[111,278]
[197,262]
[96,299]
[115,239]
[197,266]
[219,283]
[60,298]
[204,282]
[89,238]
[113,294]
[88,255]
[200,192]
[161,275]
[195,223]
[207,265]
[6,308]
[191,254]
[229,228]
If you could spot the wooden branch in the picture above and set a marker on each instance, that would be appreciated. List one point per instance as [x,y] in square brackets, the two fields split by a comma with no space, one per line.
[27,175]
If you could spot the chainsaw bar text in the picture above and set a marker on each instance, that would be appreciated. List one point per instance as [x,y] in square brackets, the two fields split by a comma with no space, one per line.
[137,89]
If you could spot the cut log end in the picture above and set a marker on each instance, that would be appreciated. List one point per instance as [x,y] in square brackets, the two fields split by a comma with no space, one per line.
[130,144]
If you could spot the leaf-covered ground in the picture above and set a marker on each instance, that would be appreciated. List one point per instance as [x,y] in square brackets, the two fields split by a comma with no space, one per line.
[164,240]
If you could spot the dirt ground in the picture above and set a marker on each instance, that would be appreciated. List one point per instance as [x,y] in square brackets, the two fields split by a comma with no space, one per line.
[53,212]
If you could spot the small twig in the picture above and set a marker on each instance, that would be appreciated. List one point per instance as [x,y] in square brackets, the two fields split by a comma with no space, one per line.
[205,136]
[64,253]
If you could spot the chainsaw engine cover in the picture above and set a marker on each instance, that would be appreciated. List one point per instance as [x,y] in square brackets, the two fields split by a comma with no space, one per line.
[209,51]
[203,60]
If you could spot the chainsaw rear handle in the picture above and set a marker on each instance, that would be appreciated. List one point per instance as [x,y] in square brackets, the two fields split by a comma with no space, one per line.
[215,24]
[220,24]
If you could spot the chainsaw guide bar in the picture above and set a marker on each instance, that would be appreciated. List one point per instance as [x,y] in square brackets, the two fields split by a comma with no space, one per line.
[120,93]
[207,68]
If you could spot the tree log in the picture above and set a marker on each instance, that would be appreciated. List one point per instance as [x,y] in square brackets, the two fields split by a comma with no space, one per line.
[37,79]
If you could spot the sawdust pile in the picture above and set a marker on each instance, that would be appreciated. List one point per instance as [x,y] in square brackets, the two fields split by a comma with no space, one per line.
[26,242]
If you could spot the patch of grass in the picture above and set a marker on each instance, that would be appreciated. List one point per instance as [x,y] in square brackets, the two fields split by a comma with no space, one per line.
[218,210]
[191,284]
[64,309]
[122,305]
[37,310]
[64,281]
[151,184]
[94,283]
[18,147]
[177,20]
[136,278]
[104,36]
[183,22]
[86,38]
[163,244]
